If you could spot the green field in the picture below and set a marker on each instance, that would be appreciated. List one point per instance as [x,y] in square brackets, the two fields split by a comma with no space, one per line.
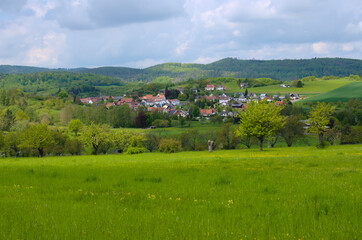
[309,88]
[289,193]
[350,91]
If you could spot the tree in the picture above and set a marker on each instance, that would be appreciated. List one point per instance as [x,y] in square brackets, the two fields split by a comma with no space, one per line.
[141,120]
[75,126]
[260,120]
[37,137]
[299,84]
[63,95]
[6,120]
[292,130]
[318,119]
[99,137]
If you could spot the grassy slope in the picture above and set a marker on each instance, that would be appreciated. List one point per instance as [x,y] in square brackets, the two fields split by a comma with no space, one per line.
[310,88]
[344,93]
[294,193]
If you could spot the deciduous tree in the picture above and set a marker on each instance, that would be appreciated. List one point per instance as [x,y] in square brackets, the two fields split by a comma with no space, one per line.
[318,119]
[260,120]
[36,137]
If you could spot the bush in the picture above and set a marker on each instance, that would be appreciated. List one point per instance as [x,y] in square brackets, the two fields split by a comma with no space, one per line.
[74,146]
[135,150]
[161,123]
[352,136]
[169,145]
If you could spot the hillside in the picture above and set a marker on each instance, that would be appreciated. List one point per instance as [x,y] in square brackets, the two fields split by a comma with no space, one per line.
[228,67]
[350,91]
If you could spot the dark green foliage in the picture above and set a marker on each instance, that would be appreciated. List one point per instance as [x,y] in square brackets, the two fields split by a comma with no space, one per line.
[230,67]
[151,142]
[74,146]
[6,120]
[352,136]
[292,130]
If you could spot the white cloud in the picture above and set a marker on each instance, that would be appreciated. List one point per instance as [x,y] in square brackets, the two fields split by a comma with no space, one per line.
[47,54]
[320,48]
[181,48]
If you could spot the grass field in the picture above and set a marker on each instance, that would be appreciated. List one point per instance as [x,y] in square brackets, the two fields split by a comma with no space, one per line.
[350,91]
[289,193]
[309,88]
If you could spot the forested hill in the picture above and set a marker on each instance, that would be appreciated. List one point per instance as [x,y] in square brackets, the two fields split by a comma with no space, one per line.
[228,67]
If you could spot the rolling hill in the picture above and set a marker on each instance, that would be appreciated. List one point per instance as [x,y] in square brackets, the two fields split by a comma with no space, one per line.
[228,67]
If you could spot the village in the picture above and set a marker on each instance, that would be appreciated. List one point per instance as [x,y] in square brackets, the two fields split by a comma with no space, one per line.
[223,104]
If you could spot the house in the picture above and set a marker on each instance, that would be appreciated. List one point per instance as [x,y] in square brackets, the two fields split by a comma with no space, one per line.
[263,95]
[244,85]
[237,105]
[211,98]
[293,96]
[194,90]
[281,103]
[87,100]
[174,102]
[111,104]
[179,113]
[209,88]
[207,112]
[239,97]
[224,100]
[225,113]
[220,88]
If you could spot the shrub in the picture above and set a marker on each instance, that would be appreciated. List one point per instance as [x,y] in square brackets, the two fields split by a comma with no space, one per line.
[74,146]
[135,150]
[352,136]
[169,145]
[161,123]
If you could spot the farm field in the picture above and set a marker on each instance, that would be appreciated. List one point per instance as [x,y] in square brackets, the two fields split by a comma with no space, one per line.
[344,93]
[285,193]
[309,89]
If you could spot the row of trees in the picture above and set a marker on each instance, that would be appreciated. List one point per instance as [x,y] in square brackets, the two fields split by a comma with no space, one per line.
[40,139]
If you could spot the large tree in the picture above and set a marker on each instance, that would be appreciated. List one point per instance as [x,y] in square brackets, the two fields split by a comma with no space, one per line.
[99,137]
[260,120]
[319,117]
[292,130]
[75,126]
[37,137]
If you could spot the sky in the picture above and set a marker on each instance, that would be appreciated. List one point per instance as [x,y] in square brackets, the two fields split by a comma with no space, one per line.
[143,33]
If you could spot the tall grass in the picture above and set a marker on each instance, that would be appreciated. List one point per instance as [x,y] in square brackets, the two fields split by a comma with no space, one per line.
[298,193]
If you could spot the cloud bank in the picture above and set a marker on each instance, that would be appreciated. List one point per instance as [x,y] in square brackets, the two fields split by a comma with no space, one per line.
[140,33]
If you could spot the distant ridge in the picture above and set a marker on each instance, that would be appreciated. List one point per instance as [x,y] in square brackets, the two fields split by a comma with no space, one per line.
[229,67]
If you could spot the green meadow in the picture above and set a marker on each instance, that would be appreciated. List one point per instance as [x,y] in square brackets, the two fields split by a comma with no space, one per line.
[310,88]
[350,91]
[285,193]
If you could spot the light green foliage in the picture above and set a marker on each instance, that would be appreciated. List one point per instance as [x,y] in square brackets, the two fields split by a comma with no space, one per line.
[75,126]
[169,145]
[260,120]
[318,119]
[36,137]
[125,139]
[282,193]
[21,116]
[99,137]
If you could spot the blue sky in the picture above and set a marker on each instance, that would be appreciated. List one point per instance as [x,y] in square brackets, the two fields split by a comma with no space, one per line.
[142,33]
